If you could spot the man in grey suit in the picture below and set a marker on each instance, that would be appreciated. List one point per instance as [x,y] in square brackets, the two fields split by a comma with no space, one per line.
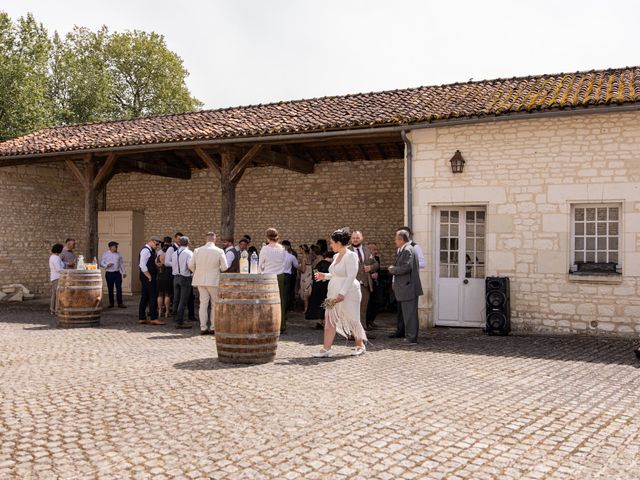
[407,288]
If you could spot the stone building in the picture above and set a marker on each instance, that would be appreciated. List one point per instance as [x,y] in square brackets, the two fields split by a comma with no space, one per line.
[548,195]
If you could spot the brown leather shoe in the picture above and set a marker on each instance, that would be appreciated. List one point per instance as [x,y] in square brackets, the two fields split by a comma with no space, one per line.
[204,332]
[156,322]
[144,322]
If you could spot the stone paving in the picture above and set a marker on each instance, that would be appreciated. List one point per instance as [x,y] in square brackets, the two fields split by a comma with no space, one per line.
[128,401]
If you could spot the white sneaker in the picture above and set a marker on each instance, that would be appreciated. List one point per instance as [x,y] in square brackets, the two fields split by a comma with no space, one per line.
[322,353]
[358,351]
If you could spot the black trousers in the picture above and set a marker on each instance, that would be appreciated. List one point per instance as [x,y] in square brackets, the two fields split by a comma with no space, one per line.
[290,291]
[149,298]
[376,301]
[114,279]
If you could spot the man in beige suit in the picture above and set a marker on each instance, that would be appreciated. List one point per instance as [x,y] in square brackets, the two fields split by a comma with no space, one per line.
[206,264]
[367,264]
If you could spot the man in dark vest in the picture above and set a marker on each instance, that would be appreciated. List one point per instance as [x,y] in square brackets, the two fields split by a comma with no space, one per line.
[148,283]
[232,255]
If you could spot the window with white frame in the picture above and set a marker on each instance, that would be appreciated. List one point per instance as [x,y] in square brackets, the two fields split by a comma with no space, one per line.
[596,238]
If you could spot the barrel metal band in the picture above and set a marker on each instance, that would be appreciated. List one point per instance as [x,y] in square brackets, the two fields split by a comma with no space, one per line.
[78,287]
[257,346]
[248,302]
[247,335]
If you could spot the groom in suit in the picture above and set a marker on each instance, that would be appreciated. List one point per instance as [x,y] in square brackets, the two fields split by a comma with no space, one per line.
[367,265]
[206,264]
[407,288]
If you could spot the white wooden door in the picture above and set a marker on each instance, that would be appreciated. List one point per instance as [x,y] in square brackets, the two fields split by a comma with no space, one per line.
[460,267]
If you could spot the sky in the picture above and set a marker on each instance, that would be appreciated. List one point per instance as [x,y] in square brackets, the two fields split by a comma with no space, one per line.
[242,52]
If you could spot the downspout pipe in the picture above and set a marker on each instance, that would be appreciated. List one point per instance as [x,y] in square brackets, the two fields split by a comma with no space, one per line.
[408,155]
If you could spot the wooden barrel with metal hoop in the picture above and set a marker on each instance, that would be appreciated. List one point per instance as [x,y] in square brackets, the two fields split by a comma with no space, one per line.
[79,301]
[247,318]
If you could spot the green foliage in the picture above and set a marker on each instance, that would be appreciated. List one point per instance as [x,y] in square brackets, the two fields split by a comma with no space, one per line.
[84,76]
[25,104]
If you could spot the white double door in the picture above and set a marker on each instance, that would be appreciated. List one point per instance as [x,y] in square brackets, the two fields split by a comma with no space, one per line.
[460,266]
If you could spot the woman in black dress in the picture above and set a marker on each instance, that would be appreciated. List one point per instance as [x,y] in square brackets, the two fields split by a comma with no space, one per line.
[164,279]
[319,292]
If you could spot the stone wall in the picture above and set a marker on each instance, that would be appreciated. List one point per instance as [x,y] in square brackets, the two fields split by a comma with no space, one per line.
[36,211]
[528,173]
[367,196]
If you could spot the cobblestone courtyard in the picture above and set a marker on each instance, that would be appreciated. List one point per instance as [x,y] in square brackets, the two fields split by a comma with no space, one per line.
[129,401]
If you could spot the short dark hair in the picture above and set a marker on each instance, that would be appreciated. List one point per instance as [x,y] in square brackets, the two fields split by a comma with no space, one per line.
[305,248]
[167,240]
[244,240]
[70,240]
[342,235]
[178,234]
[373,243]
[57,248]
[247,237]
[286,243]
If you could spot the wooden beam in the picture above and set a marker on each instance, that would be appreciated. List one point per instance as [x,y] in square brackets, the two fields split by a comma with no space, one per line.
[71,165]
[208,161]
[238,169]
[90,210]
[156,168]
[285,160]
[227,194]
[105,172]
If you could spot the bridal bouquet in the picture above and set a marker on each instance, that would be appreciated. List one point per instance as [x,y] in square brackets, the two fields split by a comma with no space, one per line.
[329,303]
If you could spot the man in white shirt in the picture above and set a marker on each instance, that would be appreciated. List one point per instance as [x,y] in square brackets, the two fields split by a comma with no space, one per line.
[182,278]
[149,283]
[114,272]
[232,254]
[206,264]
[168,263]
[416,247]
[55,265]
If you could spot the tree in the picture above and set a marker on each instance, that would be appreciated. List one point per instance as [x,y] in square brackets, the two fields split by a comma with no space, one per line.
[25,104]
[148,78]
[100,76]
[81,84]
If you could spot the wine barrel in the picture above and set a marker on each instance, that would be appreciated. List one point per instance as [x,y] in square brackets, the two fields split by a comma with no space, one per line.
[247,318]
[79,301]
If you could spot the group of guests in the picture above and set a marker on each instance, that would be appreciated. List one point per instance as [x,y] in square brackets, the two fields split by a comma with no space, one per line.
[346,270]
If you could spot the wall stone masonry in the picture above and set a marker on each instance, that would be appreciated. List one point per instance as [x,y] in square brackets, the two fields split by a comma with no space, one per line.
[528,173]
[39,206]
[364,195]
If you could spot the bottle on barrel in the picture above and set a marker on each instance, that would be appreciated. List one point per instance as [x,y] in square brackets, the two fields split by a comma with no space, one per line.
[80,265]
[244,262]
[254,263]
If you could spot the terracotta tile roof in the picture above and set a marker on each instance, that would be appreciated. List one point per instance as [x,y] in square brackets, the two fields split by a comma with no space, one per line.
[395,107]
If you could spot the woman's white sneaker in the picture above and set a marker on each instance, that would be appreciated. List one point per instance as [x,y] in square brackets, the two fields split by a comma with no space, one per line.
[322,353]
[358,351]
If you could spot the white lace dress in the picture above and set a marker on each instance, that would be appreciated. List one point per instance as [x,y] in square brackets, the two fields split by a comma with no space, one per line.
[342,281]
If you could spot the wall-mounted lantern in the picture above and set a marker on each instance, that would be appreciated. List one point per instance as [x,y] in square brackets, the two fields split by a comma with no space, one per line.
[457,162]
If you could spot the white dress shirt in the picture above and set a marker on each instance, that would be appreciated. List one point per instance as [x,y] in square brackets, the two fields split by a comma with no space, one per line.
[145,253]
[290,262]
[169,254]
[55,265]
[421,261]
[180,262]
[271,259]
[230,254]
[113,258]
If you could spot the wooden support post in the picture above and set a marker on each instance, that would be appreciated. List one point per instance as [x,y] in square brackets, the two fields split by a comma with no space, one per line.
[90,210]
[231,171]
[93,182]
[228,194]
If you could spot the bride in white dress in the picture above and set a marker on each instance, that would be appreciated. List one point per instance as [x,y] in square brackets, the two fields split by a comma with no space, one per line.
[344,318]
